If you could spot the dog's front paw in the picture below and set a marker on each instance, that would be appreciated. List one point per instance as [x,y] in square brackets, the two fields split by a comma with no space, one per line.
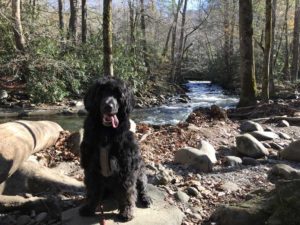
[126,214]
[145,201]
[86,210]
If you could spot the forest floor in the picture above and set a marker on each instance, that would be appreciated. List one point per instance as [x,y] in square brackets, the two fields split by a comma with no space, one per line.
[224,185]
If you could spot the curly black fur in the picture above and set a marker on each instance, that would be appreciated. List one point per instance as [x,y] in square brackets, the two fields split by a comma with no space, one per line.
[127,179]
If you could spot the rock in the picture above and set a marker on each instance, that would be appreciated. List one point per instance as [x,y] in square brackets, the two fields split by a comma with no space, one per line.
[269,129]
[3,94]
[247,214]
[181,197]
[41,217]
[291,152]
[232,161]
[249,146]
[201,159]
[162,178]
[160,213]
[192,191]
[283,123]
[23,220]
[267,145]
[276,146]
[247,161]
[74,141]
[264,135]
[76,103]
[249,126]
[284,136]
[278,207]
[283,171]
[229,187]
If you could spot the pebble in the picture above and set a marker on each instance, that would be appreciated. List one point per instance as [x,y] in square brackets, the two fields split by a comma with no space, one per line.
[23,220]
[192,191]
[181,197]
[41,217]
[283,123]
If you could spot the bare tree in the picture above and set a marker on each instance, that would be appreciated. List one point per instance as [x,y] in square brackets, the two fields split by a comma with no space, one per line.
[144,41]
[72,34]
[272,60]
[83,21]
[17,25]
[285,69]
[181,41]
[247,69]
[107,38]
[267,51]
[60,16]
[295,51]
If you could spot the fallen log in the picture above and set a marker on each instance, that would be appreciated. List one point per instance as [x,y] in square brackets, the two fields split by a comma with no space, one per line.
[20,139]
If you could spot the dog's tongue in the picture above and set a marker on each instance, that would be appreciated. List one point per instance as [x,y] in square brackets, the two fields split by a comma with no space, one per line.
[114,121]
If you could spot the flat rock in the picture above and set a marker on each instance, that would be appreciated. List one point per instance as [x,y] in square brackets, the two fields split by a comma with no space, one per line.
[249,126]
[201,159]
[264,135]
[283,171]
[291,152]
[160,213]
[249,146]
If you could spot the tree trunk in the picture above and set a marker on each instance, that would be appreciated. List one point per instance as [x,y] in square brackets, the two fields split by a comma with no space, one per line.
[272,61]
[107,38]
[17,25]
[285,69]
[61,16]
[295,51]
[226,48]
[180,46]
[165,49]
[73,21]
[83,21]
[267,51]
[132,27]
[247,68]
[174,32]
[144,41]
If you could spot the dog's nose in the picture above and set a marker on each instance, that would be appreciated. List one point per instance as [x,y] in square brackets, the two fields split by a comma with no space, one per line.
[109,107]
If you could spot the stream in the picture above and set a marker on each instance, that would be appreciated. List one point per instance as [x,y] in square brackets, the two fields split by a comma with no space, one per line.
[201,94]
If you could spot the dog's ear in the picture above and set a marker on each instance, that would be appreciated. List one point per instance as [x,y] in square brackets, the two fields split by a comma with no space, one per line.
[90,97]
[129,99]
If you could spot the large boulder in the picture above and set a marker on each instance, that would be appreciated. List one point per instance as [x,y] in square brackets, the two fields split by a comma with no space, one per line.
[20,139]
[201,159]
[291,152]
[160,213]
[278,207]
[249,146]
[249,126]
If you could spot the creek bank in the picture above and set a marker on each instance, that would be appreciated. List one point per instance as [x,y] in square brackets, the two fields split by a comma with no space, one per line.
[200,193]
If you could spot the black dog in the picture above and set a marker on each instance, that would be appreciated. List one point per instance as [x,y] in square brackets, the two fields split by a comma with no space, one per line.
[110,155]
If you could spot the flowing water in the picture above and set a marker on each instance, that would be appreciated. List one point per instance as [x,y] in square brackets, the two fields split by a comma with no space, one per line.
[201,93]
